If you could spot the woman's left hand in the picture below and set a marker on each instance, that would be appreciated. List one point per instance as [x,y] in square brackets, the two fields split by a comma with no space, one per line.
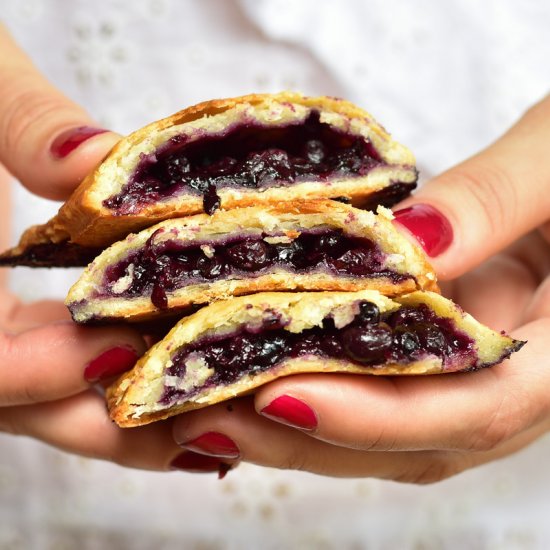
[491,211]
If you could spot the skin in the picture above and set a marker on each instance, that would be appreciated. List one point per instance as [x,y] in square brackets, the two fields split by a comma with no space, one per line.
[47,396]
[497,268]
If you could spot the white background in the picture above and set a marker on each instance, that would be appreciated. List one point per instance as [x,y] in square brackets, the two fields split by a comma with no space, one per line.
[446,78]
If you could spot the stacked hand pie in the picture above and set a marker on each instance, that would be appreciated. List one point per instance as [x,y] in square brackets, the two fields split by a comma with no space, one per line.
[261,206]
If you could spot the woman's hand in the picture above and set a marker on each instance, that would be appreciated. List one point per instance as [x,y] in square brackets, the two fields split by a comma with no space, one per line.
[48,365]
[485,225]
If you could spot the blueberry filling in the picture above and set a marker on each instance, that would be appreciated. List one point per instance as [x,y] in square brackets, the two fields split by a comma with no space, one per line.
[406,335]
[211,200]
[246,156]
[388,196]
[157,269]
[62,254]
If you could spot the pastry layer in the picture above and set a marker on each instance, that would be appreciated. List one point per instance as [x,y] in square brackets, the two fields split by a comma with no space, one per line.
[309,245]
[229,348]
[251,150]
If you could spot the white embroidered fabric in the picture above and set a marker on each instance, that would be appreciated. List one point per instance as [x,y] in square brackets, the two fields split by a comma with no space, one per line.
[446,78]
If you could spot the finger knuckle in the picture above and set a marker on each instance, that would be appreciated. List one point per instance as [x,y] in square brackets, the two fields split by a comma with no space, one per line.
[293,462]
[6,351]
[27,108]
[432,469]
[17,389]
[492,192]
[384,440]
[27,393]
[294,459]
[507,419]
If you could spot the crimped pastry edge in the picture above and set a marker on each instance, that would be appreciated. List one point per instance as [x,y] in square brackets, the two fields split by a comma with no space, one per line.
[130,397]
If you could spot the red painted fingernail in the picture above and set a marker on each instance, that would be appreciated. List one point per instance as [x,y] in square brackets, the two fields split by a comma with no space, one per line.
[194,462]
[430,227]
[69,140]
[292,412]
[213,444]
[109,363]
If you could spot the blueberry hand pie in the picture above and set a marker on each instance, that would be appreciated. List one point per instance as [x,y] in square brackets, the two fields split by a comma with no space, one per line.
[234,203]
[307,245]
[231,347]
[254,150]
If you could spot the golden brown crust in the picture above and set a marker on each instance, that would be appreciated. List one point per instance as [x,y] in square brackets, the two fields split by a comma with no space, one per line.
[86,221]
[403,257]
[134,399]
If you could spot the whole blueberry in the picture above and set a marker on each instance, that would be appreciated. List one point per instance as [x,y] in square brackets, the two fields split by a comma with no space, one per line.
[367,344]
[431,338]
[332,346]
[270,350]
[210,268]
[307,345]
[355,262]
[177,167]
[283,253]
[249,255]
[405,341]
[223,166]
[185,259]
[368,313]
[269,166]
[407,315]
[315,151]
[198,183]
[330,244]
[215,354]
[347,162]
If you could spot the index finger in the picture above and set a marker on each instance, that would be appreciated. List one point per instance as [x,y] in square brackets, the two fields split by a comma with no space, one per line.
[46,141]
[482,205]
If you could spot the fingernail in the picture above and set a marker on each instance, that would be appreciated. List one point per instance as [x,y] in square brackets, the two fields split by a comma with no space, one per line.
[213,444]
[430,227]
[69,140]
[292,412]
[198,463]
[109,363]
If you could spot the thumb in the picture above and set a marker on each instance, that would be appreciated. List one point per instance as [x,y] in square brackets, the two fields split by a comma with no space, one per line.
[482,205]
[46,141]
